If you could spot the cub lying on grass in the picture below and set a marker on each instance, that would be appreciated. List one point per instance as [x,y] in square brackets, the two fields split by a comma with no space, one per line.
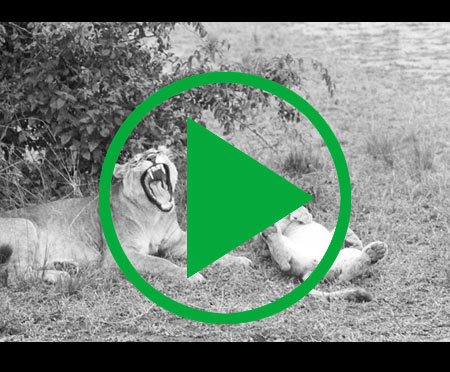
[297,244]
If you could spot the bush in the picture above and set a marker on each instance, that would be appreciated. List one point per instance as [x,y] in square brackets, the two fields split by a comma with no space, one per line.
[67,87]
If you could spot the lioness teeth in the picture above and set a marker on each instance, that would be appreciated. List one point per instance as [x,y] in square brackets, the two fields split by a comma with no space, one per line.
[153,172]
[150,173]
[156,183]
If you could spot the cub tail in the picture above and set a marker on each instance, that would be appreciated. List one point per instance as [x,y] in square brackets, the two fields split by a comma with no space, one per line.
[350,294]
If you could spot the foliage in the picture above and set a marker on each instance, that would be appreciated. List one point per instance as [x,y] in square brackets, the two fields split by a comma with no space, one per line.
[67,87]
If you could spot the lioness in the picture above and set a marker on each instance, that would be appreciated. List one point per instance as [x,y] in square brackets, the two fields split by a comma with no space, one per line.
[54,239]
[297,244]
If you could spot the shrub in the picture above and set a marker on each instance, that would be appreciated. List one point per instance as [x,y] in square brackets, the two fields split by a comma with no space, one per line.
[67,87]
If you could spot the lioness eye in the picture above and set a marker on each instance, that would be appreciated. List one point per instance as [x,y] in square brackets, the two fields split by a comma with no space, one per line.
[151,157]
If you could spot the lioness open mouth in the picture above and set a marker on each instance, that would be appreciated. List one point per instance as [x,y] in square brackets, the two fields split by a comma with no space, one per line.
[157,186]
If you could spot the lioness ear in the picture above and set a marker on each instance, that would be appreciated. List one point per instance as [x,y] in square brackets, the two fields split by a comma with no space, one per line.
[120,170]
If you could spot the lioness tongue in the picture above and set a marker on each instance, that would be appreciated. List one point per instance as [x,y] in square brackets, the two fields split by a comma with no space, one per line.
[160,193]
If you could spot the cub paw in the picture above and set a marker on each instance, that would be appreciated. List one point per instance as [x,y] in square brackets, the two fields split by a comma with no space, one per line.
[352,240]
[376,251]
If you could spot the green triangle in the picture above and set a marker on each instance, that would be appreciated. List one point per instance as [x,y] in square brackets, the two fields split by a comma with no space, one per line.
[230,197]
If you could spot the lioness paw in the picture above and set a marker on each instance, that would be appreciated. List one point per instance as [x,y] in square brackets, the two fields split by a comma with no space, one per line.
[55,276]
[193,279]
[197,278]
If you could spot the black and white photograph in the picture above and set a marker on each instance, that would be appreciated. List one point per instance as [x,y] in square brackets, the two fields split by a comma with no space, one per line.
[224,182]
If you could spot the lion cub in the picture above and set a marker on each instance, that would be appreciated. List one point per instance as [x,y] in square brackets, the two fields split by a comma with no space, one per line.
[297,244]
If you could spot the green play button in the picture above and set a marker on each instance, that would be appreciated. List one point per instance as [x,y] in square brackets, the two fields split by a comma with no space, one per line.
[230,197]
[194,313]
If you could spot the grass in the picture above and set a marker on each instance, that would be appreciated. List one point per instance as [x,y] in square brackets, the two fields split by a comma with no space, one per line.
[394,132]
[301,160]
[381,146]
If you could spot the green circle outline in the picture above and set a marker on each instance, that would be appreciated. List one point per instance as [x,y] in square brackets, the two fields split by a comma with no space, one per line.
[168,92]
